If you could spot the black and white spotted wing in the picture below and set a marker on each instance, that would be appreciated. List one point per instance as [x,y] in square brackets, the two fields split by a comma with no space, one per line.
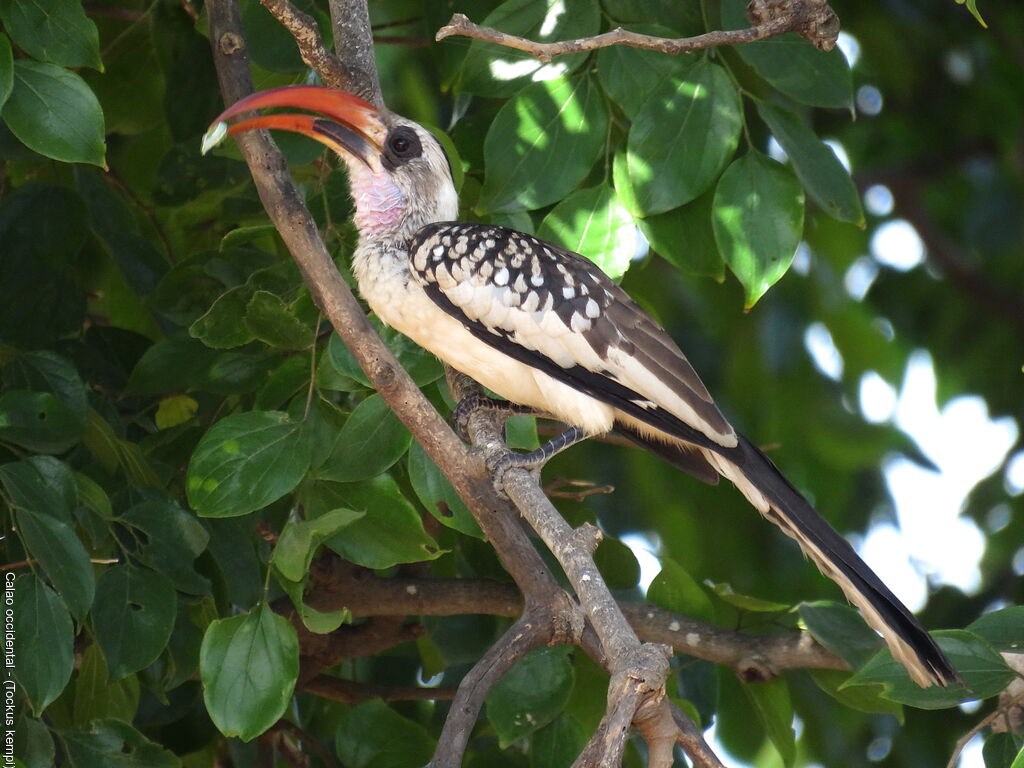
[556,311]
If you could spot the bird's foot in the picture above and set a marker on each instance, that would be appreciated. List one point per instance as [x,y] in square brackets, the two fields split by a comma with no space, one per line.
[534,460]
[466,406]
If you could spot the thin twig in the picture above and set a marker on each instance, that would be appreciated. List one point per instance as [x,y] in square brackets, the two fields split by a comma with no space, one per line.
[812,19]
[307,37]
[981,725]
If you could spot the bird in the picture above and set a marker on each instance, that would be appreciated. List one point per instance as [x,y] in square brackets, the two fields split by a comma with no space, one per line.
[545,329]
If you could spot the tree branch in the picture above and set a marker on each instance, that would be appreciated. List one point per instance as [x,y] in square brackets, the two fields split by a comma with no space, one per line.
[336,585]
[636,693]
[311,46]
[353,42]
[813,20]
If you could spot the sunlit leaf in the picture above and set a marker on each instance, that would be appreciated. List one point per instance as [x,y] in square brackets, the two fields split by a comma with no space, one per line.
[758,218]
[542,144]
[793,65]
[594,223]
[681,140]
[494,70]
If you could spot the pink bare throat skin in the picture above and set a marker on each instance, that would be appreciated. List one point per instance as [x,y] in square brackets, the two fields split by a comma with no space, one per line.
[380,205]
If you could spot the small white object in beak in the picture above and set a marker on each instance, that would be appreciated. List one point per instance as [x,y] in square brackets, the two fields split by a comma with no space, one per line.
[214,136]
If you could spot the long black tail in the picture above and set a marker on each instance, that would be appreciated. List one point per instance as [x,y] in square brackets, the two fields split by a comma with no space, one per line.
[769,491]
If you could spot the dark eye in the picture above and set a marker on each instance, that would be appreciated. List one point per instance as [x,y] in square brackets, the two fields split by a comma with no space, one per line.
[402,145]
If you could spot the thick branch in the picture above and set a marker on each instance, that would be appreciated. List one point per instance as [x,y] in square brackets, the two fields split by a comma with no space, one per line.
[353,42]
[812,19]
[336,585]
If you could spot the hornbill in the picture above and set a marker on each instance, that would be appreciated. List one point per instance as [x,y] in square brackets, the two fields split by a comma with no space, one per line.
[547,330]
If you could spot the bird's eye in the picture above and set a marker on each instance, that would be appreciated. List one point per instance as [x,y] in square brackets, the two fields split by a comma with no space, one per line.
[402,145]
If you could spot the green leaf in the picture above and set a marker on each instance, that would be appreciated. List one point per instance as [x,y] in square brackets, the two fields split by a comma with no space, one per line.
[133,617]
[1001,751]
[35,746]
[44,520]
[418,363]
[174,411]
[1004,628]
[542,144]
[273,322]
[746,602]
[174,363]
[437,494]
[53,112]
[115,744]
[982,668]
[371,441]
[863,698]
[97,696]
[684,236]
[57,31]
[676,590]
[681,140]
[41,620]
[631,75]
[683,18]
[300,539]
[617,563]
[391,531]
[793,65]
[557,744]
[223,326]
[841,629]
[494,70]
[318,622]
[245,462]
[248,665]
[168,540]
[758,218]
[826,180]
[38,421]
[972,6]
[531,694]
[6,69]
[594,223]
[372,735]
[775,711]
[48,372]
